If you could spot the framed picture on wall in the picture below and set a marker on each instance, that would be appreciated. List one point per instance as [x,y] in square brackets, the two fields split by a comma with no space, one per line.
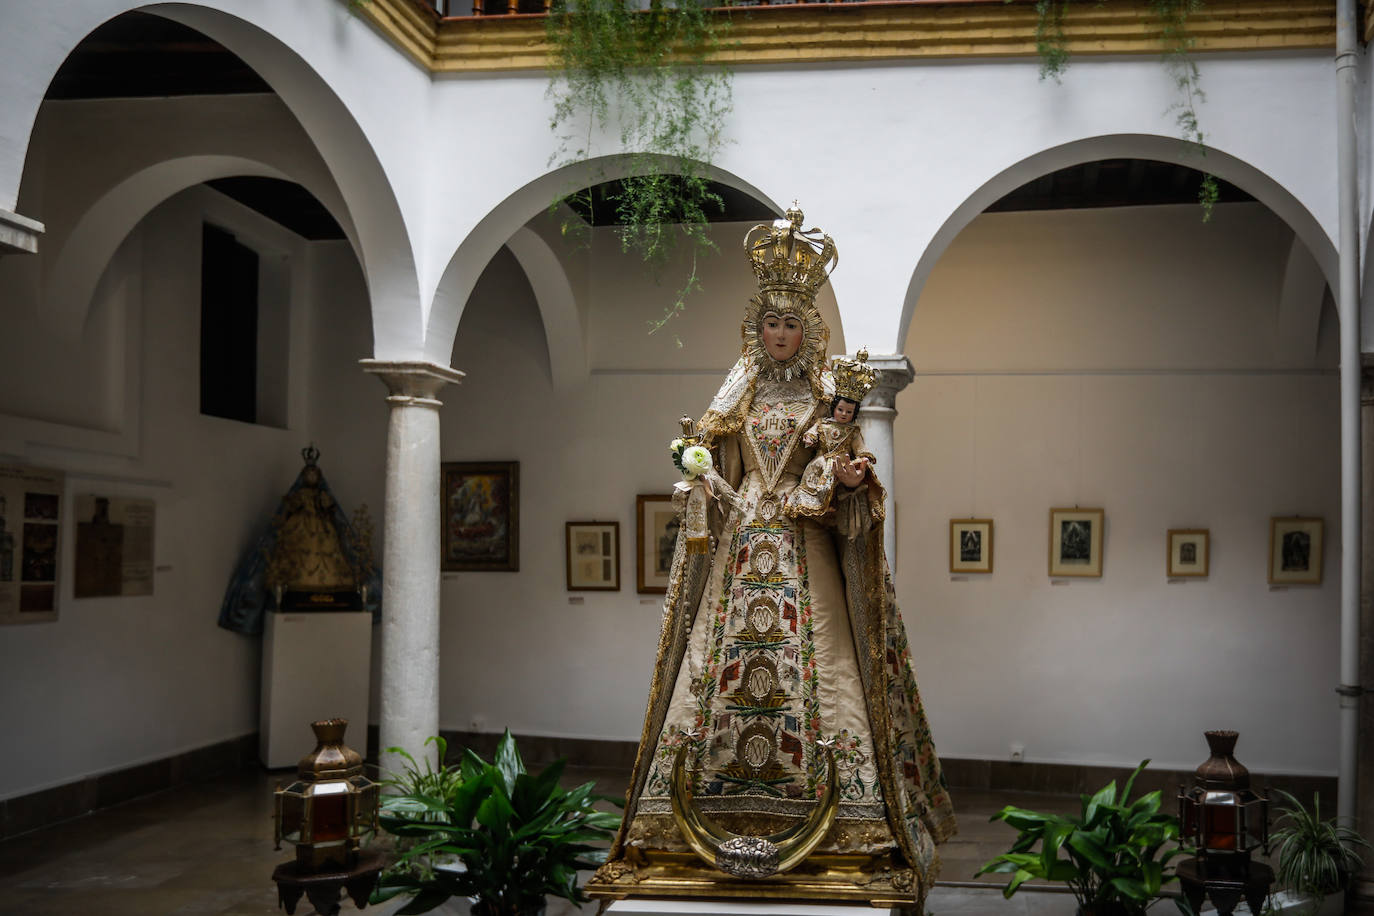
[1076,542]
[593,556]
[1295,550]
[970,545]
[480,515]
[1189,553]
[656,527]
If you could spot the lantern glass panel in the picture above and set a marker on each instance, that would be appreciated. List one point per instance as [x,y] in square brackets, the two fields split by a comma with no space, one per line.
[329,819]
[291,810]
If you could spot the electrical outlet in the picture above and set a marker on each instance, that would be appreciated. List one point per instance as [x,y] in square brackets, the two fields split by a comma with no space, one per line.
[1018,753]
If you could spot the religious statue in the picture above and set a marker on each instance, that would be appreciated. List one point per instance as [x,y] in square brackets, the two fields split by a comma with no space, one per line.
[785,752]
[308,557]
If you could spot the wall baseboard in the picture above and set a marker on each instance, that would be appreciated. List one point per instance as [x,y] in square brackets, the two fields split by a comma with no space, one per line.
[24,813]
[960,773]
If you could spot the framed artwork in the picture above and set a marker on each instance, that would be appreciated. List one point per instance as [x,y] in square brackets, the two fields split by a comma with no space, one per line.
[593,556]
[1076,542]
[656,527]
[114,546]
[970,545]
[480,513]
[31,519]
[1189,553]
[1295,551]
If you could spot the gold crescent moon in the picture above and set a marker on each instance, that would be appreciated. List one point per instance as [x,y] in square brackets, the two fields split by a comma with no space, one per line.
[751,856]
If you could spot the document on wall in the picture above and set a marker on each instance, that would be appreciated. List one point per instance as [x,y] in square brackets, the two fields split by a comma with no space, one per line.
[114,546]
[30,538]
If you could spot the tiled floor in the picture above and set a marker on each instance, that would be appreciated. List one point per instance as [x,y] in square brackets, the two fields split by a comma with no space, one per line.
[206,850]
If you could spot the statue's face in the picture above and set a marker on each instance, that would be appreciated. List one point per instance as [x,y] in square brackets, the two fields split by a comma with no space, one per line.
[844,410]
[782,335]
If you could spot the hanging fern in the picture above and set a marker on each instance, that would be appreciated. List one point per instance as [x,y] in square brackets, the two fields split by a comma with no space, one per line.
[1050,44]
[1052,48]
[651,77]
[1178,45]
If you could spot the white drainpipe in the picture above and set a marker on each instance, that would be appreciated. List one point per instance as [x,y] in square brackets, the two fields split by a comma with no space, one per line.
[1348,306]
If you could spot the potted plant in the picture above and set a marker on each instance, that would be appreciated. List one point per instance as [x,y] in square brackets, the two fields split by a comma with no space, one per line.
[1111,855]
[491,832]
[1316,858]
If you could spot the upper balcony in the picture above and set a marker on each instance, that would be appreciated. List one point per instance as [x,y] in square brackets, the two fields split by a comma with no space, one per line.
[449,36]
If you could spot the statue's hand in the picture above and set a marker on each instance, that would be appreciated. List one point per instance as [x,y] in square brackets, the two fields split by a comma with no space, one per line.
[851,473]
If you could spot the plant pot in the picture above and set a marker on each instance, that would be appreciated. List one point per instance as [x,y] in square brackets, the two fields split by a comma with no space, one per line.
[1108,910]
[481,908]
[1287,903]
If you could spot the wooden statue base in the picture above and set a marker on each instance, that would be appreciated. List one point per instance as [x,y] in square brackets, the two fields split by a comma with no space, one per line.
[873,880]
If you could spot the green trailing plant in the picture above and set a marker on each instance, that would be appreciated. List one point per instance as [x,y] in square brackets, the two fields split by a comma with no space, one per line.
[489,831]
[652,78]
[1113,855]
[1172,15]
[1316,857]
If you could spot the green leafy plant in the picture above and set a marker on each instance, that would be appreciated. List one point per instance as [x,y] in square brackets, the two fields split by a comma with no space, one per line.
[1112,856]
[424,792]
[489,831]
[1177,42]
[1316,857]
[650,75]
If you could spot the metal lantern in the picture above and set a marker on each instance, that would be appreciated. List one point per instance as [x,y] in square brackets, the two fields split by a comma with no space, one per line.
[1225,821]
[1221,814]
[331,805]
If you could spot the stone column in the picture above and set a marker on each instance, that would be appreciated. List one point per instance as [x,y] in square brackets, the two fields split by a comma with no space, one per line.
[410,560]
[1364,802]
[878,412]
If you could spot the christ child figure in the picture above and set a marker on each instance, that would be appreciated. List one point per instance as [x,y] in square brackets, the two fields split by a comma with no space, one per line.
[840,454]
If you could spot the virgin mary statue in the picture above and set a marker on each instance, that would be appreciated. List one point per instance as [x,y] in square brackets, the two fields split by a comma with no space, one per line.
[785,751]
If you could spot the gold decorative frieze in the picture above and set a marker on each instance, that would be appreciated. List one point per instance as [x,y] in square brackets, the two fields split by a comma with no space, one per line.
[823,32]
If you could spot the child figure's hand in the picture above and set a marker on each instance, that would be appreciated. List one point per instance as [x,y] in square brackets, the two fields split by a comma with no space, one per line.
[851,473]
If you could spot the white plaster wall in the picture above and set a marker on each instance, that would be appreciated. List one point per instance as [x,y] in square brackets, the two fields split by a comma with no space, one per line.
[899,148]
[890,162]
[119,681]
[1118,359]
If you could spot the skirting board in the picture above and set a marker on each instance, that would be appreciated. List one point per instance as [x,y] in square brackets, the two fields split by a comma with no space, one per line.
[24,813]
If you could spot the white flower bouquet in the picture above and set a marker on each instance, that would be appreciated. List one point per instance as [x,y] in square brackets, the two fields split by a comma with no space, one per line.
[692,460]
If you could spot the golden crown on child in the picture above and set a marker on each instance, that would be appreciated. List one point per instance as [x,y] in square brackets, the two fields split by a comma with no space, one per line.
[787,259]
[854,378]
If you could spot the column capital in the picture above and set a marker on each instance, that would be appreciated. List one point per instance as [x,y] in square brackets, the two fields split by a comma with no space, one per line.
[895,372]
[18,234]
[412,381]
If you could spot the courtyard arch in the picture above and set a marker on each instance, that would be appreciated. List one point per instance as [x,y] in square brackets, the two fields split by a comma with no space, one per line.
[363,199]
[1307,229]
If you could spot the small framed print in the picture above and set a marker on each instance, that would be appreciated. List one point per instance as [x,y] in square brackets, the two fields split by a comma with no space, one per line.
[1076,542]
[1189,553]
[656,527]
[593,556]
[1295,551]
[970,545]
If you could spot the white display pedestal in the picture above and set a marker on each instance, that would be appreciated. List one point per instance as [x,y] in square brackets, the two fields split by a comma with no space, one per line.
[632,906]
[315,666]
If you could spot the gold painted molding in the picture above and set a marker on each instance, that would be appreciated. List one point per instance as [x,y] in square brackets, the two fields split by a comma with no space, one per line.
[822,33]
